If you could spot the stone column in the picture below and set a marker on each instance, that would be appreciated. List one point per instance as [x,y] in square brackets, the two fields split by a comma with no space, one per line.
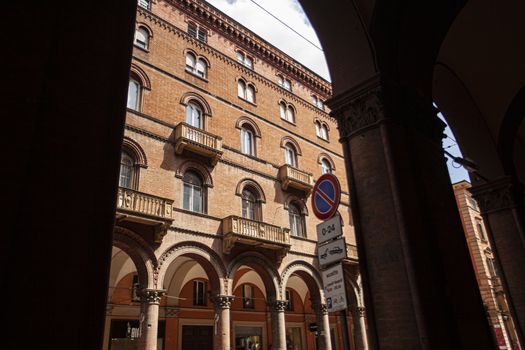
[419,286]
[360,326]
[149,318]
[222,321]
[501,205]
[323,324]
[278,308]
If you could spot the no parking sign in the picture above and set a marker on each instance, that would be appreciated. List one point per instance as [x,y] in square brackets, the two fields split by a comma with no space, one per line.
[326,196]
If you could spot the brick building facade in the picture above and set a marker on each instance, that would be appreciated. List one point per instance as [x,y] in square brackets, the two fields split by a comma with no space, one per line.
[215,239]
[485,262]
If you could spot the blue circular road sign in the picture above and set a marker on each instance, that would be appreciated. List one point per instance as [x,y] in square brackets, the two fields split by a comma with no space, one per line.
[326,196]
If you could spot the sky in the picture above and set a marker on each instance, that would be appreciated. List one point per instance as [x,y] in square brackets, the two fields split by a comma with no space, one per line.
[276,33]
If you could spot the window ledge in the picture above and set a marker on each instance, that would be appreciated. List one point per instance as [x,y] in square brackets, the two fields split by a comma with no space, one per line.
[303,238]
[289,122]
[140,48]
[325,140]
[196,76]
[245,100]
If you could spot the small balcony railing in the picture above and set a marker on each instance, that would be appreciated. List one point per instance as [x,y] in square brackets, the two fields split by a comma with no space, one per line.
[146,209]
[198,141]
[295,178]
[236,229]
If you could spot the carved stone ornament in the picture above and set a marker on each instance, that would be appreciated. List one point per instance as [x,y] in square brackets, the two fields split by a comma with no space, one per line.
[494,196]
[222,301]
[361,311]
[279,305]
[359,113]
[152,296]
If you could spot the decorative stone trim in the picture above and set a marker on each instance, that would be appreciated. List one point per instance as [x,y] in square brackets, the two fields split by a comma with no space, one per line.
[152,296]
[222,301]
[497,195]
[279,305]
[373,102]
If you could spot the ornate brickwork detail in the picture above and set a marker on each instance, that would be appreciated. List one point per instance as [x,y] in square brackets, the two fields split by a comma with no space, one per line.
[152,296]
[496,195]
[172,312]
[222,301]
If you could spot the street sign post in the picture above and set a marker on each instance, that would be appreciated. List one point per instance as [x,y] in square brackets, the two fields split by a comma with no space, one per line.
[329,229]
[326,196]
[334,288]
[332,252]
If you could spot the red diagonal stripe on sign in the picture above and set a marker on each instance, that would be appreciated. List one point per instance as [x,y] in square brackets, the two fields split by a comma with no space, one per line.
[325,197]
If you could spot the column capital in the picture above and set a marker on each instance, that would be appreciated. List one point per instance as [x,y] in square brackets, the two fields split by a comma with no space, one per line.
[279,305]
[361,311]
[320,307]
[373,102]
[222,301]
[500,194]
[152,296]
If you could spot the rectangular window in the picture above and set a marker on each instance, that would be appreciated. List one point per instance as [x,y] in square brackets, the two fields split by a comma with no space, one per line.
[481,231]
[199,293]
[247,297]
[289,299]
[144,3]
[135,289]
[197,33]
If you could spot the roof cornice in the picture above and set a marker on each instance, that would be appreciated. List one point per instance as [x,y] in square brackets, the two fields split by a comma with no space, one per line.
[252,43]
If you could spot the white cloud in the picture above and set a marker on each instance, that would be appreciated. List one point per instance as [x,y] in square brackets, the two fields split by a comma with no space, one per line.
[270,29]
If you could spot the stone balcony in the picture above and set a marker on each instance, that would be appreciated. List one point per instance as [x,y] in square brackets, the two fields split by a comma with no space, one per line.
[291,177]
[198,141]
[240,231]
[146,210]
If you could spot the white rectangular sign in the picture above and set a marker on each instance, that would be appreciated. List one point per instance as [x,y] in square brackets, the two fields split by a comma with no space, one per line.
[334,288]
[332,252]
[329,229]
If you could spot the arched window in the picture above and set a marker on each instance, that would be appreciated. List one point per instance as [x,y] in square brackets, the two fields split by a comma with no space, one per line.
[282,110]
[246,91]
[247,140]
[127,169]
[287,112]
[290,155]
[194,115]
[318,129]
[201,68]
[326,167]
[142,38]
[241,87]
[296,220]
[197,66]
[249,205]
[250,93]
[324,132]
[134,91]
[190,62]
[193,195]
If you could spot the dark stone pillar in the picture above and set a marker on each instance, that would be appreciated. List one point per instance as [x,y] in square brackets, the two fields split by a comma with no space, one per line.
[64,90]
[501,205]
[419,285]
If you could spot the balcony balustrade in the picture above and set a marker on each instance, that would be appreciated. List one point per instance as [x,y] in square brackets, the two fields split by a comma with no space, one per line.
[146,209]
[198,141]
[236,230]
[295,178]
[351,252]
